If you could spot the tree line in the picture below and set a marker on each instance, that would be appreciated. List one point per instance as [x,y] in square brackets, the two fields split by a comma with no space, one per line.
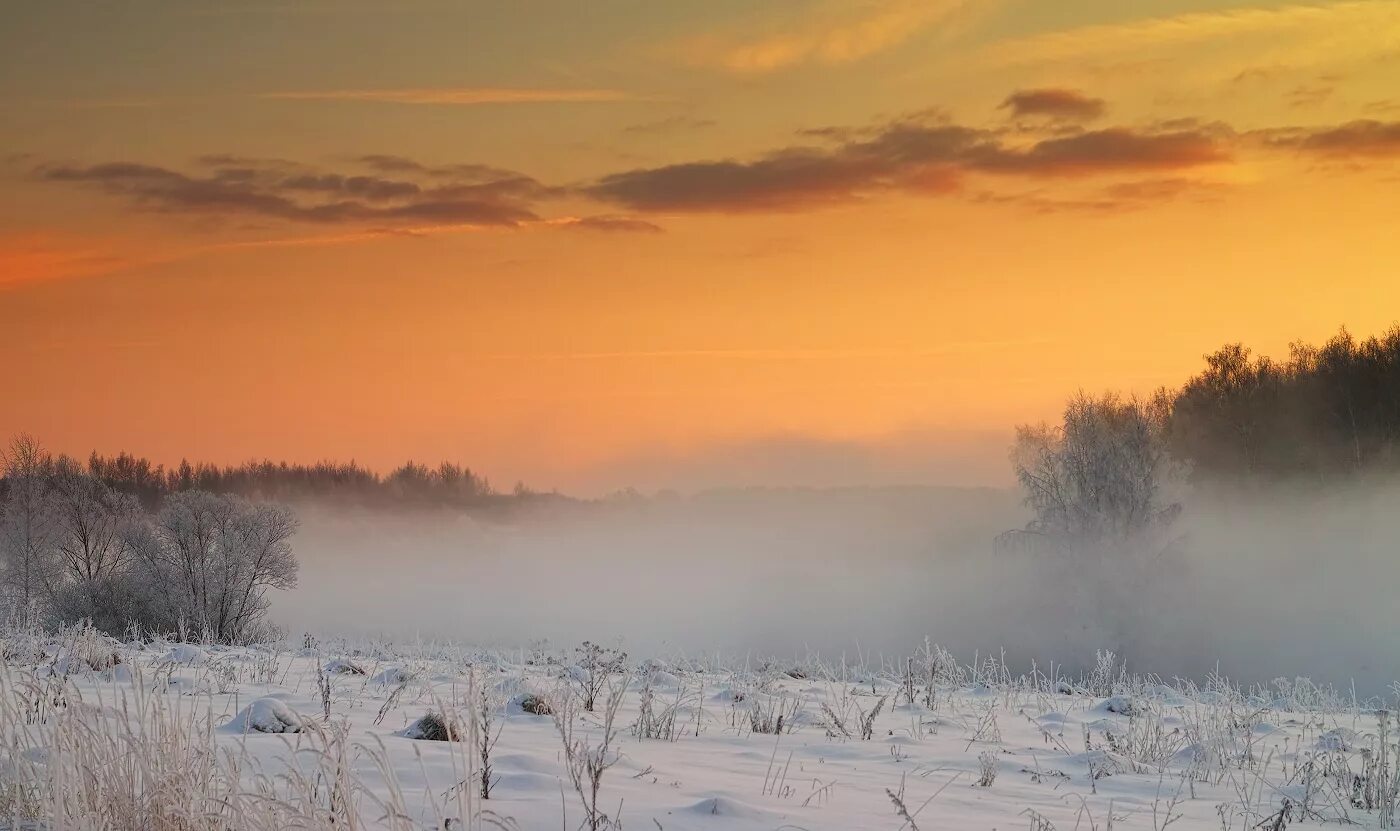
[1322,413]
[412,483]
[1108,473]
[73,547]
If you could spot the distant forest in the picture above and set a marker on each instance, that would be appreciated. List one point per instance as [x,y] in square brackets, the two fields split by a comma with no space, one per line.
[349,483]
[1324,412]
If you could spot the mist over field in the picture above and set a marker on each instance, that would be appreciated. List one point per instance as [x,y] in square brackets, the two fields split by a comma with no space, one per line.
[1272,583]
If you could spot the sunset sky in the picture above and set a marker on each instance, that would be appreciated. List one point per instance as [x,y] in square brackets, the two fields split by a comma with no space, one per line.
[681,243]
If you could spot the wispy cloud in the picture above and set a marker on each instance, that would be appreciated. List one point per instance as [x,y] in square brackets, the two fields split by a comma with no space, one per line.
[242,188]
[1349,29]
[399,197]
[606,223]
[824,37]
[41,256]
[456,96]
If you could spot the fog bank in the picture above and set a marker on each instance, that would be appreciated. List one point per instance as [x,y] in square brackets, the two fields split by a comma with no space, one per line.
[1266,585]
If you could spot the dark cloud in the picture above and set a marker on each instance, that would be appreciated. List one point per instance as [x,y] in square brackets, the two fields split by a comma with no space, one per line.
[391,164]
[1055,104]
[1365,138]
[909,156]
[786,180]
[241,187]
[921,153]
[365,187]
[1108,151]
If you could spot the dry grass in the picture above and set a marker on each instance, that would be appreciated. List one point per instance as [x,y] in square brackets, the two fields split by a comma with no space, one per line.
[149,760]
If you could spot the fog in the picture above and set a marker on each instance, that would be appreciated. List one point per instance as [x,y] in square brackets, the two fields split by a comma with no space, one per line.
[1275,584]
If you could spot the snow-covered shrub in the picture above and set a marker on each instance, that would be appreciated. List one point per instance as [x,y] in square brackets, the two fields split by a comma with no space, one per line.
[435,727]
[266,715]
[186,654]
[535,705]
[344,666]
[595,665]
[986,768]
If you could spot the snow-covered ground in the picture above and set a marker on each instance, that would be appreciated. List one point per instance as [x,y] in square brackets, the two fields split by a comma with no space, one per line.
[977,747]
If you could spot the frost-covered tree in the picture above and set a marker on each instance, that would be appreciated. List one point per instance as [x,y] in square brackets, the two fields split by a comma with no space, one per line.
[214,557]
[1097,479]
[28,523]
[92,523]
[1098,488]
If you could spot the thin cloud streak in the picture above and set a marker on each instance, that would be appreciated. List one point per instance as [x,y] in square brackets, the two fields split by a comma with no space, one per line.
[1368,23]
[457,96]
[823,39]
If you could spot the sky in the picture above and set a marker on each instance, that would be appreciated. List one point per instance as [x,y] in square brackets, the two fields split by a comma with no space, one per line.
[680,244]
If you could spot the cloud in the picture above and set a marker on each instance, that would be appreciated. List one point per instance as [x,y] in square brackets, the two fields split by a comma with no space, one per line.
[1351,28]
[921,154]
[1055,104]
[1111,150]
[1363,138]
[913,155]
[286,191]
[824,38]
[366,187]
[461,96]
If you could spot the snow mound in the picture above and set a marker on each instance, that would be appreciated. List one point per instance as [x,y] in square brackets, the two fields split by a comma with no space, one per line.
[1122,705]
[119,672]
[265,715]
[723,806]
[187,654]
[391,677]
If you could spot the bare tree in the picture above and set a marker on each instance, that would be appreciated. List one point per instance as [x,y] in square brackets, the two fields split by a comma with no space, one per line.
[216,556]
[28,527]
[91,521]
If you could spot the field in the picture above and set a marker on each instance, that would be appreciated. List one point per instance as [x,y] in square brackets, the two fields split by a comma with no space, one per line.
[163,735]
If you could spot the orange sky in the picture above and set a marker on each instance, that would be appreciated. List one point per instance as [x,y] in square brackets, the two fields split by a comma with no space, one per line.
[590,245]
